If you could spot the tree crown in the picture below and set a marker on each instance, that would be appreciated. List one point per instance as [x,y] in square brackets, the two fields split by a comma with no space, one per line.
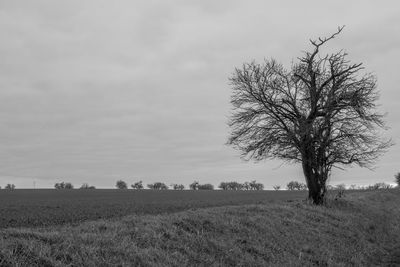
[323,105]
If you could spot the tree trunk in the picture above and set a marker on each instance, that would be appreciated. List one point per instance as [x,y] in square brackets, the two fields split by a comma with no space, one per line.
[315,182]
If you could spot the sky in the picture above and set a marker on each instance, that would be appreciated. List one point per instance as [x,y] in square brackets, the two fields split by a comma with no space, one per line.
[96,91]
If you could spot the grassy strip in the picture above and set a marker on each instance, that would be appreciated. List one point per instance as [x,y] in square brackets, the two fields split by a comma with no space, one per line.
[362,230]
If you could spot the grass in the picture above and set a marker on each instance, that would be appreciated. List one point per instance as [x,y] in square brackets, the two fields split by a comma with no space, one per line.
[363,229]
[47,207]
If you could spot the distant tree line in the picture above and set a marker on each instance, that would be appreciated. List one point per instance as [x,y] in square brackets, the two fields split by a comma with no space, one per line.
[64,185]
[233,185]
[376,186]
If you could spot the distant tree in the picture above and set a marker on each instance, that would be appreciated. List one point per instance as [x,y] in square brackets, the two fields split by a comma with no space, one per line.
[256,186]
[397,177]
[69,186]
[178,186]
[194,185]
[294,185]
[63,185]
[150,186]
[230,186]
[253,185]
[137,185]
[157,186]
[10,187]
[223,186]
[121,185]
[59,185]
[87,186]
[235,186]
[321,112]
[205,187]
[246,186]
[277,187]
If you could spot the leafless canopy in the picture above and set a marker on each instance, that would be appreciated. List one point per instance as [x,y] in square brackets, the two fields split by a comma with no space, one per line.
[322,113]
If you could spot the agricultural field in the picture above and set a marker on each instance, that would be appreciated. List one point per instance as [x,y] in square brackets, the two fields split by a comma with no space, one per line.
[360,229]
[46,207]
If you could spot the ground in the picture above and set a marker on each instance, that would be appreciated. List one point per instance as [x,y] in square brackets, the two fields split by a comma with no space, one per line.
[361,229]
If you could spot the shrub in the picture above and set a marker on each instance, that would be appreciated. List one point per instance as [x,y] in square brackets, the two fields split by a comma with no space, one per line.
[206,187]
[397,179]
[10,187]
[121,185]
[158,186]
[137,185]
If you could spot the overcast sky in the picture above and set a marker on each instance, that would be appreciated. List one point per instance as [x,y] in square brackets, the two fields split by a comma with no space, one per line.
[96,91]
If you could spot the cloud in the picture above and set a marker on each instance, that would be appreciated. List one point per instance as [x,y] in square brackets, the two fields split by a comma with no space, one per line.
[97,91]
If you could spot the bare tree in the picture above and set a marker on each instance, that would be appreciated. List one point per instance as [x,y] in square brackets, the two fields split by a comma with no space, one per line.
[320,113]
